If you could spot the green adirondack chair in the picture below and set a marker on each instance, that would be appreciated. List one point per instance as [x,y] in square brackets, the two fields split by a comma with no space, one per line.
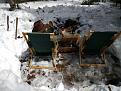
[95,44]
[41,44]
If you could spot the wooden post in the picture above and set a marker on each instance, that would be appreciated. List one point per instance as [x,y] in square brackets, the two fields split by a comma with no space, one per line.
[7,23]
[16,27]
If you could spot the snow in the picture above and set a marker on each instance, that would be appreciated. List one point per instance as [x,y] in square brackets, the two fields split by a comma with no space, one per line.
[101,18]
[11,82]
[60,87]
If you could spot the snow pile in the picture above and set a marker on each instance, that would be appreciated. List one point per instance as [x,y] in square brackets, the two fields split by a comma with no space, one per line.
[10,82]
[100,18]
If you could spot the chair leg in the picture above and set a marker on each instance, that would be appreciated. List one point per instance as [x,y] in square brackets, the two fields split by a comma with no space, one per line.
[30,62]
[81,60]
[80,57]
[54,56]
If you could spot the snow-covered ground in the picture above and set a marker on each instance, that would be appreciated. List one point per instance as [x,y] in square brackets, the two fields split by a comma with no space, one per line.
[101,17]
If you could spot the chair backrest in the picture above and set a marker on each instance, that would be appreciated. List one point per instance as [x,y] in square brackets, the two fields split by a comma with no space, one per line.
[40,43]
[97,41]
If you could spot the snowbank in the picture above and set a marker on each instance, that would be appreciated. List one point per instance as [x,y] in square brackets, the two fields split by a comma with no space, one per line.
[10,82]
